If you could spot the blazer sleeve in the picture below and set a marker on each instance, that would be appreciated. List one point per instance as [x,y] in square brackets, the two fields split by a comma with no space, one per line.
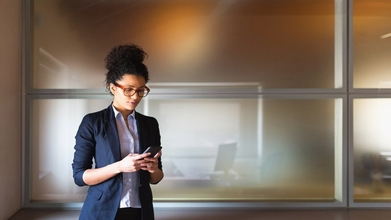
[84,150]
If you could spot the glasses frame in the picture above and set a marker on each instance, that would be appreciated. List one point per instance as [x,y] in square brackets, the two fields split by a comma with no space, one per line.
[146,90]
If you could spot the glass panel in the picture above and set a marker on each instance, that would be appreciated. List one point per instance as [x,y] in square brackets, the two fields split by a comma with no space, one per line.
[54,123]
[279,43]
[372,150]
[372,44]
[247,149]
[213,149]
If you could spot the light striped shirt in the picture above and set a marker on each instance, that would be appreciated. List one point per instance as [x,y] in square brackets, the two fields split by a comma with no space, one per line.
[129,142]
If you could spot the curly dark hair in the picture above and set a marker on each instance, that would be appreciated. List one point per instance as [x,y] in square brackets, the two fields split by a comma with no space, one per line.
[125,59]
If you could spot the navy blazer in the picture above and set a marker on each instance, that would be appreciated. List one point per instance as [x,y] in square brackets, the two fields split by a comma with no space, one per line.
[97,141]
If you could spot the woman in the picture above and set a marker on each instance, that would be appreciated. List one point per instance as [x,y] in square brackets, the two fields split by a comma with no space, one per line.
[113,139]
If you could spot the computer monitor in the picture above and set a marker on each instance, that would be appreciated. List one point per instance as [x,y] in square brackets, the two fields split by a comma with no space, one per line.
[225,157]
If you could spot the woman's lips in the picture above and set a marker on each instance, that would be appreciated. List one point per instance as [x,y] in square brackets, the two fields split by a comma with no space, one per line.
[132,102]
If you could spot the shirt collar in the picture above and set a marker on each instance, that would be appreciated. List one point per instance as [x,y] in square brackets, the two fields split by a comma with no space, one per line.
[116,112]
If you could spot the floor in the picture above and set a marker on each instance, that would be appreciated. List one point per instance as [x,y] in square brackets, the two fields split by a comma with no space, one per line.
[338,214]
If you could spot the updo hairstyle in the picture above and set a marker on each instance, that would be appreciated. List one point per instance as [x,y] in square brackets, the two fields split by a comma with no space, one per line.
[125,59]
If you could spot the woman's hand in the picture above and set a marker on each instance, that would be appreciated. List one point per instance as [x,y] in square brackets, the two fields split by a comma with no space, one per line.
[131,163]
[150,164]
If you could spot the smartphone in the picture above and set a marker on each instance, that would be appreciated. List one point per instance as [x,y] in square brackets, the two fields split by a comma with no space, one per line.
[153,150]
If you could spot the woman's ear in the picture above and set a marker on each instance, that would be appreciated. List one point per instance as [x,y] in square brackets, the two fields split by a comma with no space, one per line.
[112,88]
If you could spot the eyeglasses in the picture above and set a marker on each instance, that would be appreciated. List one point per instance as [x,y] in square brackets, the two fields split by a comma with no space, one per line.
[129,92]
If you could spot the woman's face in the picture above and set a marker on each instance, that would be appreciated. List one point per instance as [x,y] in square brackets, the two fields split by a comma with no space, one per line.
[126,104]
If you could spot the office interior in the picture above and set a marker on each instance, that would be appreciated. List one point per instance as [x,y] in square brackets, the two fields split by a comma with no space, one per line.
[263,105]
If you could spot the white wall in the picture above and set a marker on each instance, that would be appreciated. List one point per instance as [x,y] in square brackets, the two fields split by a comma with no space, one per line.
[10,107]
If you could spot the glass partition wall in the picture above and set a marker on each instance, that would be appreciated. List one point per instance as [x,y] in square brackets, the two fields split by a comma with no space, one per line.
[257,101]
[369,119]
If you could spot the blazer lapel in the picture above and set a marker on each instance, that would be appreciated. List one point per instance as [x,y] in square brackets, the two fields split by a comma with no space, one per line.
[112,133]
[141,132]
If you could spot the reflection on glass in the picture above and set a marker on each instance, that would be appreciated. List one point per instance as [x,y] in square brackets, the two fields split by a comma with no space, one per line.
[246,149]
[280,44]
[372,43]
[372,149]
